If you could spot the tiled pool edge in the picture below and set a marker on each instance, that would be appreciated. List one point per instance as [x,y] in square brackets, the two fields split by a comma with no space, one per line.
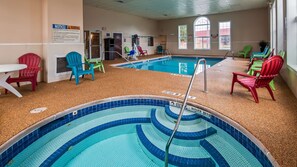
[13,146]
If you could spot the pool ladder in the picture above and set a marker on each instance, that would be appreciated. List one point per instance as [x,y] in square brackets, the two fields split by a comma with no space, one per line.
[121,56]
[166,52]
[183,107]
[232,53]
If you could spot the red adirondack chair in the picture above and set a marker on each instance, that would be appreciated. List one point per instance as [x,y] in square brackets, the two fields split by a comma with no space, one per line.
[270,69]
[142,52]
[30,73]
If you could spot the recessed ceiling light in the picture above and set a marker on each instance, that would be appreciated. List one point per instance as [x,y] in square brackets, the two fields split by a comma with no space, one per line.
[120,1]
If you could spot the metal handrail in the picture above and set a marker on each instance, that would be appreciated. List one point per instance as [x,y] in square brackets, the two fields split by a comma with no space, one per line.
[230,51]
[166,52]
[183,108]
[121,56]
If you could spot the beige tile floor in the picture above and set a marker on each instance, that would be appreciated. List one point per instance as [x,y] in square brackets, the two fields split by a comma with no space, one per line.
[272,122]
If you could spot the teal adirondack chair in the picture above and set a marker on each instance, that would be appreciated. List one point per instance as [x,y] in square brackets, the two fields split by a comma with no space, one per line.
[97,64]
[246,50]
[260,54]
[74,61]
[259,61]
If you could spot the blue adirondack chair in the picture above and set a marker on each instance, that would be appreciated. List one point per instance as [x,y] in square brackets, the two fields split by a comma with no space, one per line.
[74,61]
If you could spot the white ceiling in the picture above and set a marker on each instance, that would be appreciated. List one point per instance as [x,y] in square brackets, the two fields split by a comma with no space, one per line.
[169,9]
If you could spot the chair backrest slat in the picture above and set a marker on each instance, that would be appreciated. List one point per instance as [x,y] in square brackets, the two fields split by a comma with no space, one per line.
[270,69]
[74,59]
[32,60]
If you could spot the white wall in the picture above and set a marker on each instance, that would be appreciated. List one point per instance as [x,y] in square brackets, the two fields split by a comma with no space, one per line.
[20,30]
[128,25]
[67,12]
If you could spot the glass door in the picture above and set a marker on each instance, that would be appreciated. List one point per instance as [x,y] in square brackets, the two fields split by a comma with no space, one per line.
[92,44]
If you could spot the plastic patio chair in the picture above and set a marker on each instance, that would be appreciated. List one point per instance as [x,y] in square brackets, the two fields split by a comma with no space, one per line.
[160,49]
[28,74]
[259,60]
[257,66]
[97,64]
[260,54]
[142,52]
[270,69]
[126,50]
[246,50]
[74,61]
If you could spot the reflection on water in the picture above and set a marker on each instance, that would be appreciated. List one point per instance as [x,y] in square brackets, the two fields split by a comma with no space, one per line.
[177,65]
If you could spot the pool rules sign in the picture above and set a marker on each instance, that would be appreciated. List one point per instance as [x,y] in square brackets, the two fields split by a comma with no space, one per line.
[65,33]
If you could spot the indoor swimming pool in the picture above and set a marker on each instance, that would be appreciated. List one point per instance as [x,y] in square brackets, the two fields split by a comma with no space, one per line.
[172,64]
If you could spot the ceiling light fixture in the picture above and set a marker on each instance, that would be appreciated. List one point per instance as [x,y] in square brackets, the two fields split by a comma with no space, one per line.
[120,1]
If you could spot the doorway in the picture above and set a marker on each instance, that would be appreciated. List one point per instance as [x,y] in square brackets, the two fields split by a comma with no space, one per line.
[93,44]
[118,43]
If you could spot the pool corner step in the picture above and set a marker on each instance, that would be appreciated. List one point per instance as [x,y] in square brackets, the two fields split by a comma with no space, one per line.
[172,159]
[185,117]
[214,153]
[225,154]
[180,134]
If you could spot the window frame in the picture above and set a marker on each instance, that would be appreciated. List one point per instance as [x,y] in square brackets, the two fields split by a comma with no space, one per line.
[220,35]
[194,36]
[179,37]
[291,29]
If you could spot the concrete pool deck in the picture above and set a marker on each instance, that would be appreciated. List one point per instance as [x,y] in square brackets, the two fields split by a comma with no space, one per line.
[272,122]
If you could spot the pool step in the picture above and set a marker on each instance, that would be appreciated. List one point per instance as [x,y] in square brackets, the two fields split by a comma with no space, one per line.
[185,132]
[178,155]
[47,148]
[188,118]
[226,154]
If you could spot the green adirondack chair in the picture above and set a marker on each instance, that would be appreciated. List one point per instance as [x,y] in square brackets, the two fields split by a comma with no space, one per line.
[97,64]
[126,50]
[246,50]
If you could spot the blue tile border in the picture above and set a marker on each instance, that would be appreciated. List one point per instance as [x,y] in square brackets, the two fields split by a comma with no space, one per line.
[181,135]
[63,149]
[183,118]
[172,159]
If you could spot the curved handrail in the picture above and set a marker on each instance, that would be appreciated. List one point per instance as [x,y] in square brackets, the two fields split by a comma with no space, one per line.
[121,56]
[183,108]
[166,52]
[230,51]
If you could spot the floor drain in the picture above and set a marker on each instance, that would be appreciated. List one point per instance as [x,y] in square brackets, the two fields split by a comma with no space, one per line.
[38,110]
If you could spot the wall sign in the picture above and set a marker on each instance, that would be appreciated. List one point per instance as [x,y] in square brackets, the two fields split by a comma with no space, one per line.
[65,33]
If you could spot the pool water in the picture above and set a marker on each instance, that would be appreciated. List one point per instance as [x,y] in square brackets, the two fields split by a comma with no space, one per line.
[135,136]
[174,64]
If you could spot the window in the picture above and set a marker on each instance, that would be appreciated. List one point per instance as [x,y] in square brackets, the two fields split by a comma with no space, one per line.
[225,35]
[202,33]
[292,34]
[182,37]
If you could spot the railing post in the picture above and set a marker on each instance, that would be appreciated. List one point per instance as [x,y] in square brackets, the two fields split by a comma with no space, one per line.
[183,108]
[121,56]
